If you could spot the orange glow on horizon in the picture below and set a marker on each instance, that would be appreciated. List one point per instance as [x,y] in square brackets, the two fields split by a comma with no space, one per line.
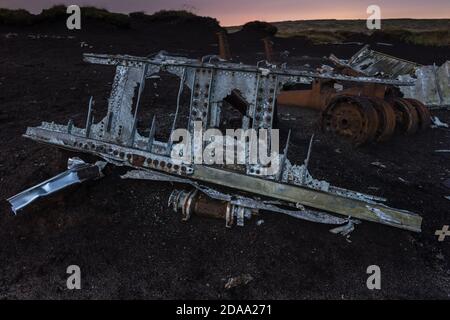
[236,20]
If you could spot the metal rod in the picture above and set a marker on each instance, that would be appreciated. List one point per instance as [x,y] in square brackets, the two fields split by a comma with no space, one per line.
[141,88]
[224,48]
[123,60]
[151,135]
[109,121]
[306,162]
[194,78]
[274,102]
[89,118]
[180,91]
[70,126]
[309,151]
[268,49]
[209,96]
[284,157]
[255,106]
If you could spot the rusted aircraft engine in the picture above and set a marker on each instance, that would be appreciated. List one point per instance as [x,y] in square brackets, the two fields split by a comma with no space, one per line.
[290,190]
[360,112]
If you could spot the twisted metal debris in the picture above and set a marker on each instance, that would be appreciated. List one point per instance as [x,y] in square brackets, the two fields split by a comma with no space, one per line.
[431,82]
[116,139]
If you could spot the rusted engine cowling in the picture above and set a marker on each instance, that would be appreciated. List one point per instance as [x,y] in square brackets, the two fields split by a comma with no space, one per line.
[195,202]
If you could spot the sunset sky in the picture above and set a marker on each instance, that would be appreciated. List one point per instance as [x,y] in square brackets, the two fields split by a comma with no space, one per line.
[235,12]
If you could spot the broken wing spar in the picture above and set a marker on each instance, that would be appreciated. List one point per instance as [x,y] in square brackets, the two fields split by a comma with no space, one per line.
[115,138]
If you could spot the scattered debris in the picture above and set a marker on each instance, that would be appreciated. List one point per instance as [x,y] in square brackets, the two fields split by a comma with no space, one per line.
[48,36]
[438,123]
[403,180]
[346,229]
[10,35]
[385,44]
[284,54]
[238,281]
[378,164]
[431,83]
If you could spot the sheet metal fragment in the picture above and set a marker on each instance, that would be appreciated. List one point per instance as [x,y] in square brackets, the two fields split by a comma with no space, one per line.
[432,83]
[345,229]
[437,123]
[374,63]
[78,171]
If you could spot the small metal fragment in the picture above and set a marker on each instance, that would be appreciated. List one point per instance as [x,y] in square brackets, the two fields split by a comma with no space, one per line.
[437,123]
[78,171]
[345,229]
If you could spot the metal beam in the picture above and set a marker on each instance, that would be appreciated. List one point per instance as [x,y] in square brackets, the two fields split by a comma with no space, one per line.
[317,199]
[308,197]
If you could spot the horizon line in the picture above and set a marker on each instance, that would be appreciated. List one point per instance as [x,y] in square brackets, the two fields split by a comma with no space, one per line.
[331,19]
[237,25]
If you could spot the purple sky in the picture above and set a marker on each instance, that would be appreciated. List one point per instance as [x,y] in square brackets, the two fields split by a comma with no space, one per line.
[233,12]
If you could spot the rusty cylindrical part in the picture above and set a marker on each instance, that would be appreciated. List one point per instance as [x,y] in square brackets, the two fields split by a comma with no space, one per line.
[268,49]
[406,115]
[386,117]
[195,202]
[224,48]
[351,117]
[423,112]
[315,98]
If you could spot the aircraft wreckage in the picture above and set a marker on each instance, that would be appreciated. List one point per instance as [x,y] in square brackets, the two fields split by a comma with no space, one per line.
[364,112]
[249,188]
